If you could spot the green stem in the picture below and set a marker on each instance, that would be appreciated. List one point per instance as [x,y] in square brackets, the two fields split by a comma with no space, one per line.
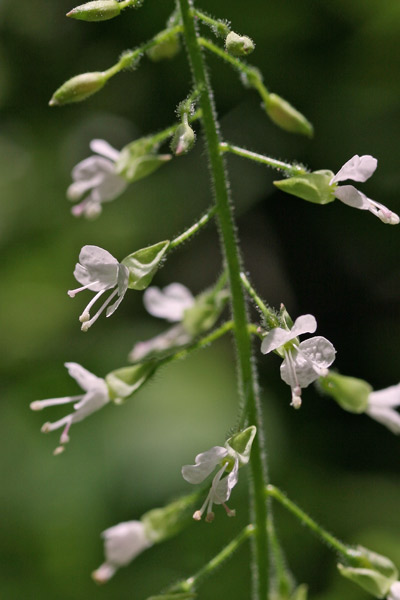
[279,165]
[202,343]
[218,27]
[183,237]
[130,59]
[269,314]
[191,583]
[306,520]
[251,411]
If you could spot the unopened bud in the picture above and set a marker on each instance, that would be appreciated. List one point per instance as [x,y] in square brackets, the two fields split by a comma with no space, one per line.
[349,392]
[238,45]
[371,571]
[183,140]
[286,116]
[78,88]
[165,50]
[99,10]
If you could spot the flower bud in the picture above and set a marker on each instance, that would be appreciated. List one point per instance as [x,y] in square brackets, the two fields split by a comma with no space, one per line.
[238,45]
[349,392]
[139,159]
[124,382]
[371,571]
[165,50]
[205,312]
[163,523]
[183,140]
[313,187]
[99,10]
[143,264]
[286,116]
[78,88]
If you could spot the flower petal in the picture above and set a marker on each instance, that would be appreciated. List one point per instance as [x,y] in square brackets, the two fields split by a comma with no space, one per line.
[169,303]
[386,416]
[394,591]
[387,398]
[123,542]
[205,464]
[84,378]
[275,339]
[312,355]
[352,197]
[358,168]
[97,268]
[304,324]
[92,167]
[224,488]
[105,149]
[90,403]
[109,188]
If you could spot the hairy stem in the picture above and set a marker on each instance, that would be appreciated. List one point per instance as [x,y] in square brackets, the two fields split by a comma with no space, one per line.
[279,165]
[251,413]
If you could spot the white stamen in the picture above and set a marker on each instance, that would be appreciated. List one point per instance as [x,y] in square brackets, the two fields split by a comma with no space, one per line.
[85,316]
[72,293]
[87,324]
[40,404]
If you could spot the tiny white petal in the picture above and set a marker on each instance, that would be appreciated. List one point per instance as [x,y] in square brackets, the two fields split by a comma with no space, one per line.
[309,361]
[275,339]
[169,303]
[93,169]
[386,416]
[84,378]
[349,195]
[304,324]
[358,168]
[387,398]
[123,542]
[205,463]
[224,488]
[105,149]
[394,593]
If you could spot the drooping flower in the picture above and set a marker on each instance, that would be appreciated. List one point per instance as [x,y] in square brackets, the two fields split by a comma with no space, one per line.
[98,271]
[360,168]
[169,303]
[394,593]
[97,177]
[228,458]
[302,362]
[122,543]
[96,396]
[381,407]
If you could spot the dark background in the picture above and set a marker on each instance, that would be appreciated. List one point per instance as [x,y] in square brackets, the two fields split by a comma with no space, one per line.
[338,62]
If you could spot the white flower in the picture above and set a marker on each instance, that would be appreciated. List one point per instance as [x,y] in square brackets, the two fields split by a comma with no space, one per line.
[122,543]
[221,487]
[394,593]
[95,397]
[174,337]
[360,168]
[169,303]
[381,407]
[303,362]
[97,176]
[98,271]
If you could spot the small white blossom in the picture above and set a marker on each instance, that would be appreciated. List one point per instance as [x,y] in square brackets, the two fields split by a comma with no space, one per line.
[169,303]
[394,593]
[360,168]
[221,487]
[96,396]
[381,407]
[98,271]
[302,362]
[96,177]
[122,543]
[174,337]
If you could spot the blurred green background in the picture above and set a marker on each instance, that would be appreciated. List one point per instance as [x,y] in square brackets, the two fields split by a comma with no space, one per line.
[338,62]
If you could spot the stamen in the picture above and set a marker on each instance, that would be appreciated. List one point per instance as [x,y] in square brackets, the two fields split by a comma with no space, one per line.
[85,316]
[229,512]
[72,293]
[47,427]
[40,404]
[58,450]
[87,324]
[294,382]
[64,439]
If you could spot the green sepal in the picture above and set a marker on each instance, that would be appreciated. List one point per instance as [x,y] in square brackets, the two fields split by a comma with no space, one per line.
[78,88]
[238,45]
[205,312]
[139,159]
[163,523]
[165,49]
[373,572]
[313,187]
[124,382]
[284,318]
[183,139]
[98,10]
[143,264]
[241,444]
[349,392]
[286,116]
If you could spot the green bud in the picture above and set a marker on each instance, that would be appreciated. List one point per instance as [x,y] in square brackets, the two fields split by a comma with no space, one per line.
[143,264]
[286,116]
[124,382]
[313,187]
[78,88]
[163,523]
[349,392]
[99,10]
[241,444]
[139,159]
[205,312]
[373,572]
[238,45]
[183,139]
[165,49]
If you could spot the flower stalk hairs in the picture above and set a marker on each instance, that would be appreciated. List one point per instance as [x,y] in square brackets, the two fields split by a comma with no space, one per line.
[95,397]
[228,459]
